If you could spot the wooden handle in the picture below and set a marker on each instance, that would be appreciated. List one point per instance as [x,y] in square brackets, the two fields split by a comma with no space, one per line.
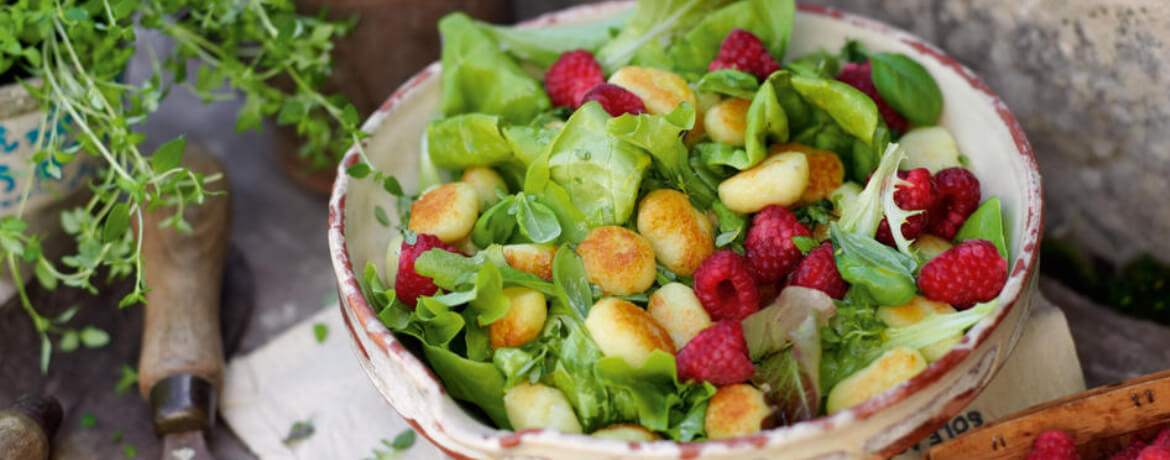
[1096,419]
[184,272]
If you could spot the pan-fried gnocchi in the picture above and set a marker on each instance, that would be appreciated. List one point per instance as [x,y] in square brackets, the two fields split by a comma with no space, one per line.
[623,329]
[677,310]
[780,179]
[527,311]
[448,211]
[540,406]
[680,235]
[660,90]
[736,410]
[618,260]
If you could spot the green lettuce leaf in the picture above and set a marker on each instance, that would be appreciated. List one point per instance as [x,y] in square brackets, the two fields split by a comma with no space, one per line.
[467,140]
[820,64]
[478,77]
[767,121]
[770,20]
[662,137]
[541,46]
[729,82]
[476,382]
[986,223]
[600,172]
[662,403]
[653,26]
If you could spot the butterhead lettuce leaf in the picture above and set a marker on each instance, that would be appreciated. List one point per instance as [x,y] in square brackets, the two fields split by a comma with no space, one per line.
[478,77]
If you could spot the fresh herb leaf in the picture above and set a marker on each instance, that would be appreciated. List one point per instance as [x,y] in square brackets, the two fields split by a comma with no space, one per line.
[907,86]
[88,420]
[69,341]
[129,451]
[380,214]
[986,223]
[320,332]
[358,170]
[403,441]
[299,431]
[884,273]
[805,244]
[815,214]
[537,222]
[128,379]
[571,282]
[93,337]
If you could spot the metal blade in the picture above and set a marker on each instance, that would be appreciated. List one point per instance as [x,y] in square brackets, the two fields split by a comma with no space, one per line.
[188,445]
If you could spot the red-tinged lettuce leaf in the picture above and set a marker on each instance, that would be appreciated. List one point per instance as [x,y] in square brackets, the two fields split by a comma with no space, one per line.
[771,329]
[789,379]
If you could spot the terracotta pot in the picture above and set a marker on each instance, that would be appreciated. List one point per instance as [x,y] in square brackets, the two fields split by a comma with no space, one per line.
[392,40]
[883,426]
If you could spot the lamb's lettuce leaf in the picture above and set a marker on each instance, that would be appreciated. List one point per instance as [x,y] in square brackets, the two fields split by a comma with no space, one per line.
[654,25]
[600,172]
[478,77]
[541,46]
[770,20]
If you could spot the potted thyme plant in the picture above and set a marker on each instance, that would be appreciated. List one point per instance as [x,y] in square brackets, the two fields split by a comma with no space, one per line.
[70,156]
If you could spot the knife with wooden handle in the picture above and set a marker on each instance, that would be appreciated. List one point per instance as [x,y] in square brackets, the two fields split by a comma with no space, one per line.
[181,366]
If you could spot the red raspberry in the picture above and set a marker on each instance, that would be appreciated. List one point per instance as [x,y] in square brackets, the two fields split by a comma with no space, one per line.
[743,51]
[769,245]
[615,99]
[859,76]
[574,73]
[970,272]
[718,355]
[818,271]
[409,285]
[724,285]
[1131,451]
[1054,445]
[1163,438]
[957,192]
[1155,453]
[917,194]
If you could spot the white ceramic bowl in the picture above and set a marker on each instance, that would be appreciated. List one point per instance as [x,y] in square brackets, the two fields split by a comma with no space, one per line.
[982,125]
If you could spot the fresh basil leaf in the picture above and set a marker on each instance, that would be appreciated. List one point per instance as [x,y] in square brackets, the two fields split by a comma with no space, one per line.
[495,225]
[537,222]
[907,86]
[571,282]
[886,274]
[729,82]
[986,223]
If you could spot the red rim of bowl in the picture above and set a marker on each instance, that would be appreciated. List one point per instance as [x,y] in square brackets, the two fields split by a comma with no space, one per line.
[1022,267]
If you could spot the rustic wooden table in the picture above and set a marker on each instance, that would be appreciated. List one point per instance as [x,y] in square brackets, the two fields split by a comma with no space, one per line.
[281,231]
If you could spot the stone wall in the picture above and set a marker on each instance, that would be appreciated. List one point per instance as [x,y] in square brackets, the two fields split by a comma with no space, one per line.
[1089,81]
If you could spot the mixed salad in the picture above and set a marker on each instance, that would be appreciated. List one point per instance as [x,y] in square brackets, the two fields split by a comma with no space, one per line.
[660,232]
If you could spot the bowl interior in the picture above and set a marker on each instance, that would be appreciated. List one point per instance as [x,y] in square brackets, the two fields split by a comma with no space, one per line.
[983,128]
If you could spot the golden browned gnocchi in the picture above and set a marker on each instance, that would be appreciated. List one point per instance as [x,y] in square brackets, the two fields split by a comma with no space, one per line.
[448,211]
[539,406]
[680,235]
[535,259]
[780,179]
[736,410]
[726,123]
[660,90]
[622,329]
[527,311]
[627,432]
[487,182]
[893,367]
[676,308]
[618,260]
